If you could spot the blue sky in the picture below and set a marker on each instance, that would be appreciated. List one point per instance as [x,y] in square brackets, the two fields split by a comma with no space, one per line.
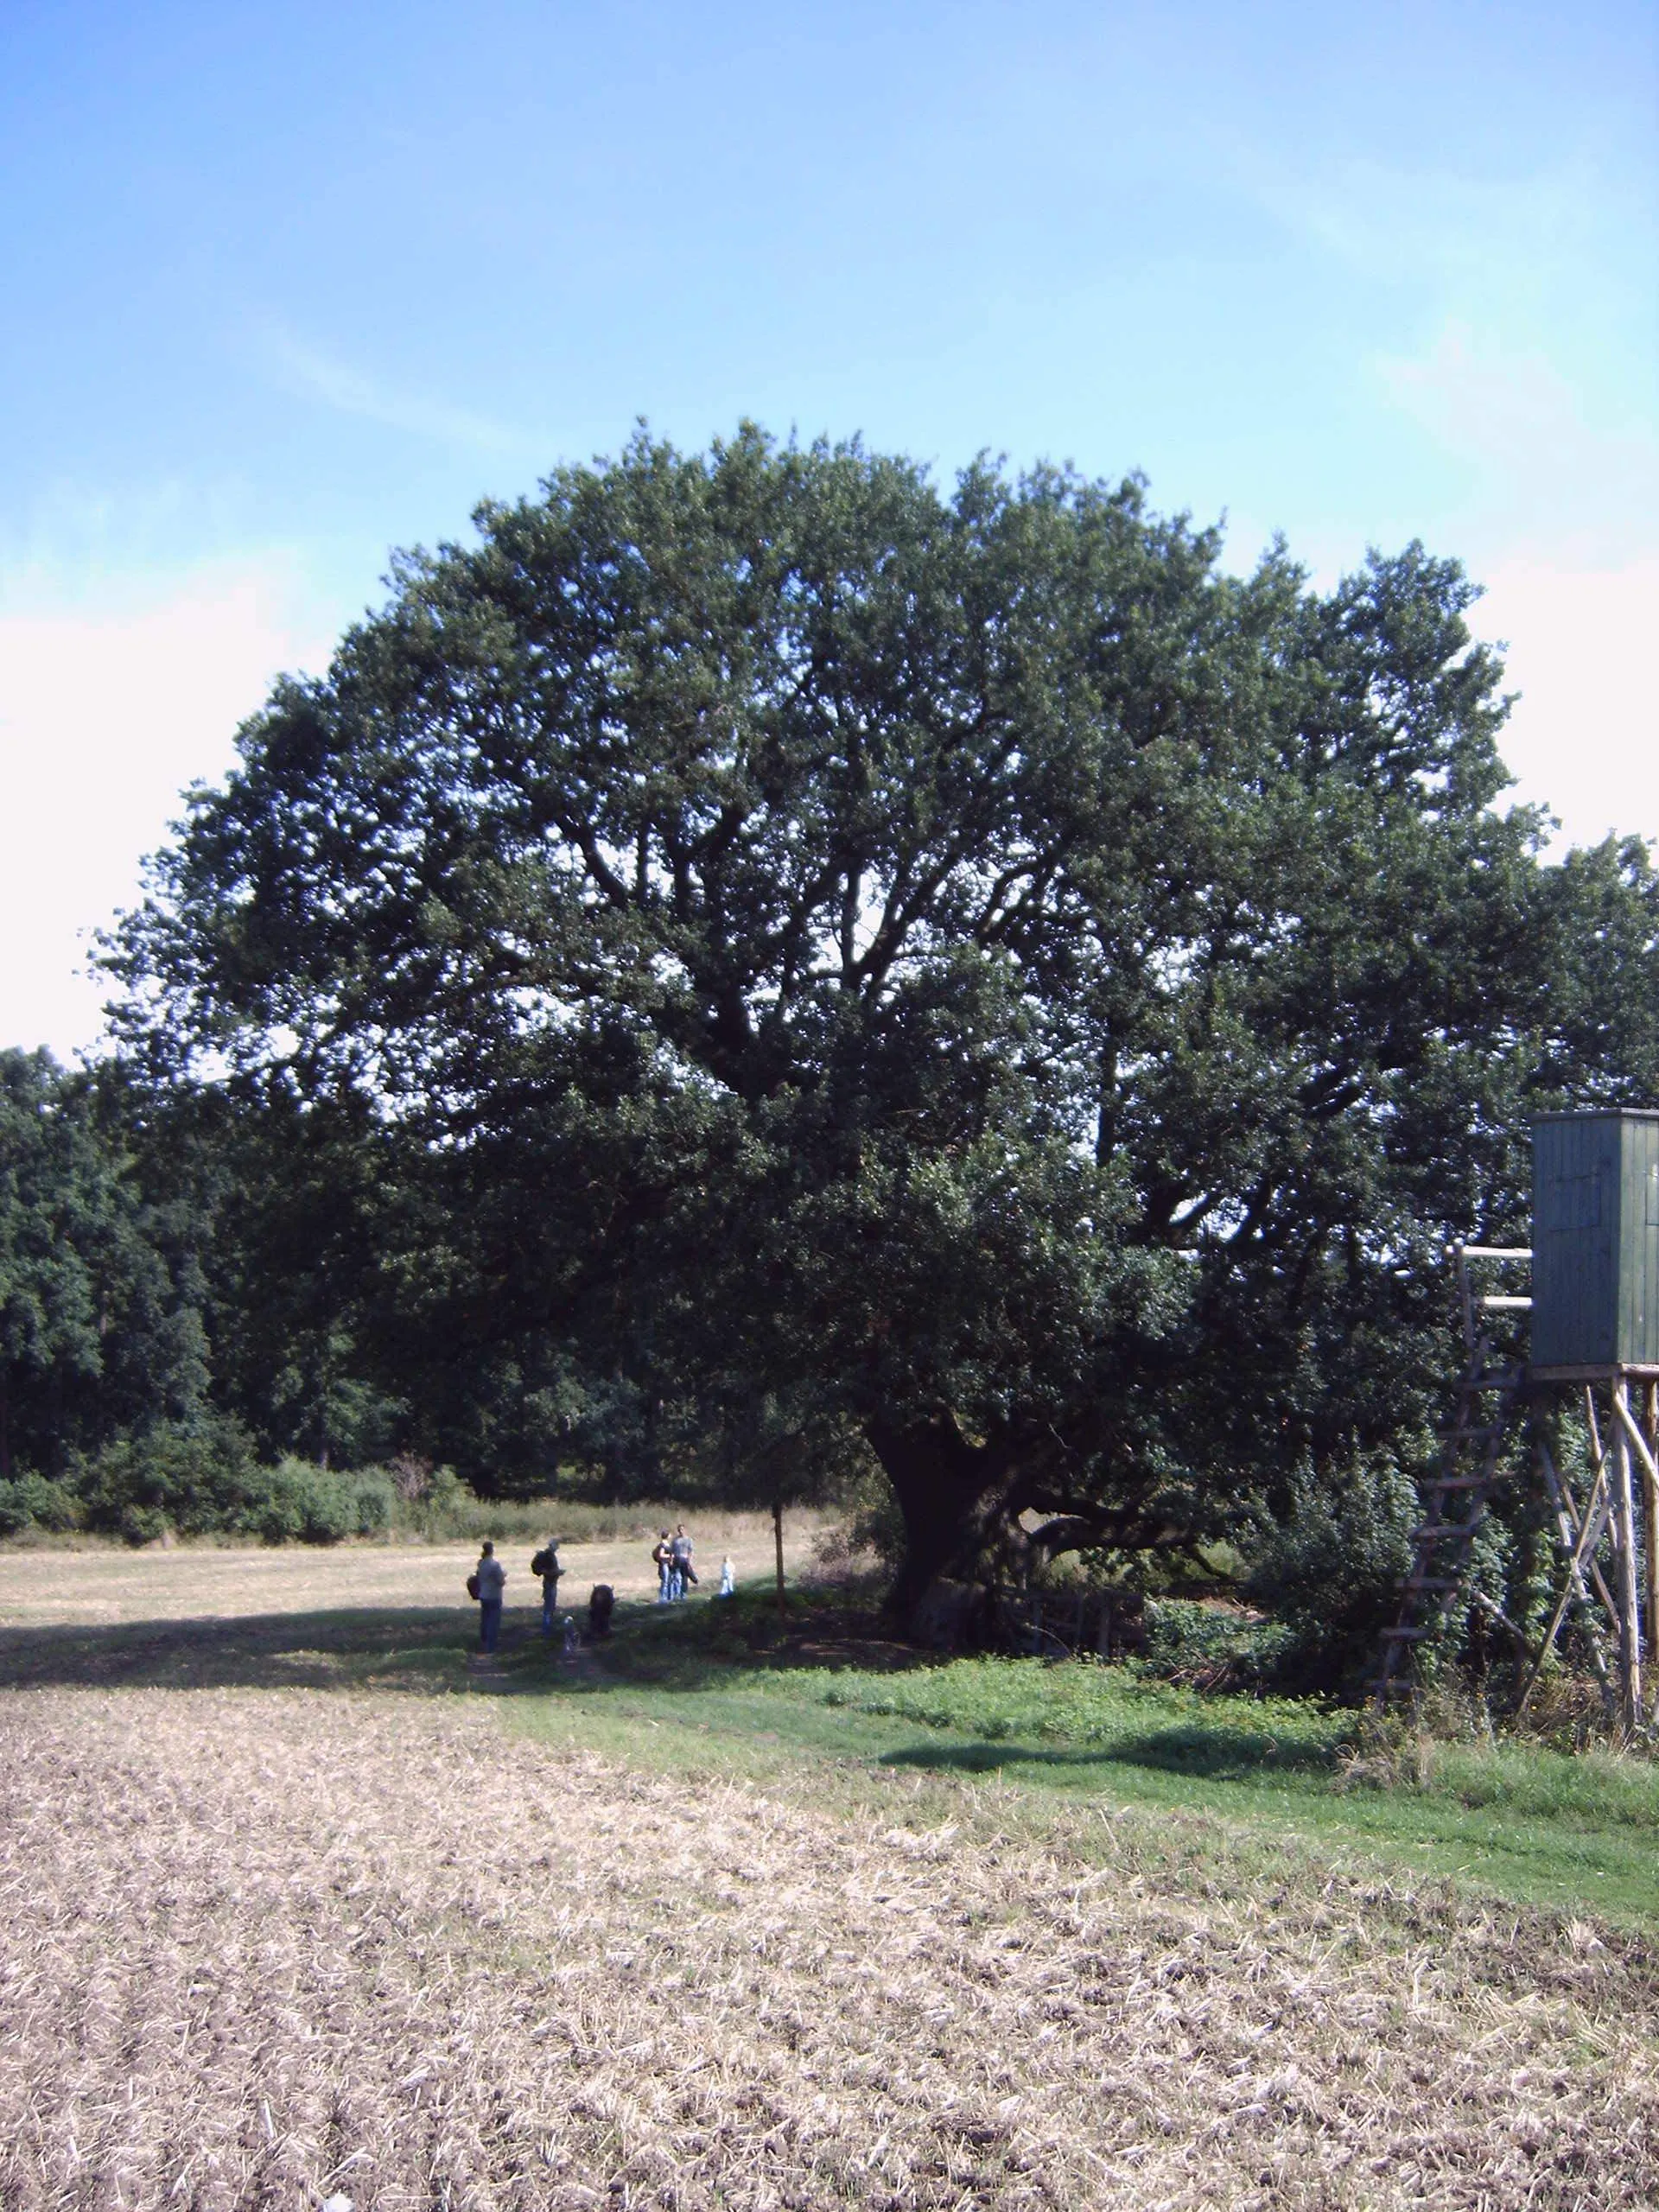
[287,287]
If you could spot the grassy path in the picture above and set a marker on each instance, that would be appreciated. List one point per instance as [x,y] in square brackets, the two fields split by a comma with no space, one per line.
[682,1689]
[1530,1825]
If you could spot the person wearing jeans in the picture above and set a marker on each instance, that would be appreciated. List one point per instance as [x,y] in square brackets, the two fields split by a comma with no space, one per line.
[679,1559]
[492,1582]
[546,1564]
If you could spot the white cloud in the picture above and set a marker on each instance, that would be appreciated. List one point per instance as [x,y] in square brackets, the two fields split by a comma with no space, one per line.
[312,372]
[1561,523]
[1545,476]
[1584,737]
[110,704]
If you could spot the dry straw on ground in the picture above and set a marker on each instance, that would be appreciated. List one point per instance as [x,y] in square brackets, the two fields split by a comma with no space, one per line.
[264,1948]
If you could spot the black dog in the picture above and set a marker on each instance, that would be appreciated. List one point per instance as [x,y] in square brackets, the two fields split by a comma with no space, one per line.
[599,1607]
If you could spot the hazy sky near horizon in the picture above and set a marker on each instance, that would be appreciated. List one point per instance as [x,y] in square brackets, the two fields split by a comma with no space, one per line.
[287,288]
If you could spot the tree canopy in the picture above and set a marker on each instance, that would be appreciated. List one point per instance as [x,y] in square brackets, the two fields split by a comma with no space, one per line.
[100,1322]
[957,968]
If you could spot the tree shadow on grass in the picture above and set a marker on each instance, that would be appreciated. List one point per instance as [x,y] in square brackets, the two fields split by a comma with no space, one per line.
[425,1651]
[421,1649]
[1188,1749]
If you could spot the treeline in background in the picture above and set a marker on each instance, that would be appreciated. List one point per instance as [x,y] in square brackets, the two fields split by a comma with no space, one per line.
[226,1317]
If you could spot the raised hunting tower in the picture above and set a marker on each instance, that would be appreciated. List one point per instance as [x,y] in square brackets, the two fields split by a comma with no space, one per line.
[1593,1313]
[1595,1246]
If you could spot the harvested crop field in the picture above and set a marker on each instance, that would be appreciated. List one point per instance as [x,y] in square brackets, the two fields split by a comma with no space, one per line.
[262,1948]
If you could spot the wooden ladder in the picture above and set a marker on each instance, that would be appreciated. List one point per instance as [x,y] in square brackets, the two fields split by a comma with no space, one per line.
[1490,1399]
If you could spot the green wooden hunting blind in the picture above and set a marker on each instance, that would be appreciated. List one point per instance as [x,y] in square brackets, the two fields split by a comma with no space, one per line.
[1595,1243]
[1595,1322]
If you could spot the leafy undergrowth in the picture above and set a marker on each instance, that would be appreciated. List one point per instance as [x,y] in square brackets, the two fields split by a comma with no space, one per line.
[1212,1648]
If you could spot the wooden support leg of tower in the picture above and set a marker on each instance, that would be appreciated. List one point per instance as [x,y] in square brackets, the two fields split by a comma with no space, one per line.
[1576,1539]
[1578,1535]
[1624,1583]
[1582,1533]
[1595,1503]
[1599,1450]
[1648,1460]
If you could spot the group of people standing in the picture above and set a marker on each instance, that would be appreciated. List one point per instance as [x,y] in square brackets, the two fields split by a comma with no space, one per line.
[670,1556]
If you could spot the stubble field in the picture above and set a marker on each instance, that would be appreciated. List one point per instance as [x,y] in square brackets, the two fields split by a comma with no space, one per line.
[263,1947]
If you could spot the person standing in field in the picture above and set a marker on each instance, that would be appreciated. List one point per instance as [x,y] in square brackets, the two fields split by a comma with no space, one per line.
[680,1568]
[491,1579]
[728,1578]
[546,1564]
[662,1560]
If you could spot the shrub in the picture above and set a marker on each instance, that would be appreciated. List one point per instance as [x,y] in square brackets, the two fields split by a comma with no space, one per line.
[143,1524]
[303,1504]
[1211,1648]
[198,1477]
[203,1480]
[1331,1572]
[372,1498]
[30,1501]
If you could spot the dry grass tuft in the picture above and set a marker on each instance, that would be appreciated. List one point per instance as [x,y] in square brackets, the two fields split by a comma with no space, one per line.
[262,1947]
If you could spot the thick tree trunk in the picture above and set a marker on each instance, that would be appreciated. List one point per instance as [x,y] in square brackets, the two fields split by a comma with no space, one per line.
[951,1494]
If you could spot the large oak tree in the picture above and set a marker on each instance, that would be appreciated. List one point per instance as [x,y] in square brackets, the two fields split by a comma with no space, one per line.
[961,966]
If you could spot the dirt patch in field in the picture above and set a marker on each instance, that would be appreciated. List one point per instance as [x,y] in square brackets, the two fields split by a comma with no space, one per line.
[264,1948]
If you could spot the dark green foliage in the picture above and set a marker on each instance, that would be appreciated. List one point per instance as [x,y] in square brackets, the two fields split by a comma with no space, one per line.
[284,1207]
[1330,1570]
[204,1479]
[299,1502]
[1214,1649]
[31,1502]
[100,1323]
[194,1478]
[836,959]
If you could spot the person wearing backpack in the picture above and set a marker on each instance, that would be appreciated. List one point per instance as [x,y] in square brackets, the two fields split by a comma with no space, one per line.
[487,1582]
[546,1564]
